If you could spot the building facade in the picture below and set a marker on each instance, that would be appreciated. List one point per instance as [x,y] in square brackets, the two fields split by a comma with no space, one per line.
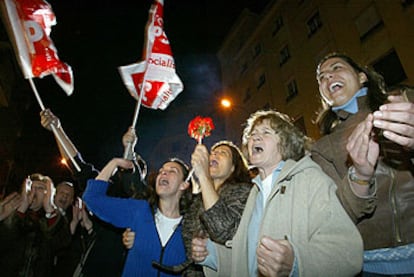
[268,60]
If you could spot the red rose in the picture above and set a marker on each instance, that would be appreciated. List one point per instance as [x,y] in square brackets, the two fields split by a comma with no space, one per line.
[200,127]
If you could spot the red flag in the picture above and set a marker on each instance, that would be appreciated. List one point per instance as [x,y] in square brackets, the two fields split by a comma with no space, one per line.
[157,70]
[30,23]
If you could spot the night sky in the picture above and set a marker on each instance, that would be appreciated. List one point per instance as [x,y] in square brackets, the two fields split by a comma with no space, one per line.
[94,38]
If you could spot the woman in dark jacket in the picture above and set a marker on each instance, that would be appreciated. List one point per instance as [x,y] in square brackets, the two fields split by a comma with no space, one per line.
[367,148]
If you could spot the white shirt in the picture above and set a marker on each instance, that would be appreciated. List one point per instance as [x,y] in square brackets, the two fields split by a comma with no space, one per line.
[165,226]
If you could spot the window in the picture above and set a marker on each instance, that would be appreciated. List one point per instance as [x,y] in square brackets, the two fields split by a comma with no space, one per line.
[278,25]
[368,22]
[314,23]
[257,50]
[300,123]
[247,96]
[292,90]
[262,81]
[390,67]
[406,3]
[243,68]
[284,55]
[266,107]
[240,46]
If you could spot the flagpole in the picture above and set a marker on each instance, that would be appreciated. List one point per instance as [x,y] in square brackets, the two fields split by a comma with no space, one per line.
[39,100]
[42,107]
[138,106]
[154,36]
[148,50]
[128,153]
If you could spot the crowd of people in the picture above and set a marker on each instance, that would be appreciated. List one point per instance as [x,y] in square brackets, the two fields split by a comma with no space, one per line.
[281,204]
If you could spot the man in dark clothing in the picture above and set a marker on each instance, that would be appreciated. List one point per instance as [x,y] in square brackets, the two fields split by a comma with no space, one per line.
[104,253]
[31,235]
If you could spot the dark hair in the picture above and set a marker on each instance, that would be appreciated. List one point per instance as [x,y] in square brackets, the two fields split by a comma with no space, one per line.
[65,183]
[241,171]
[400,89]
[185,199]
[293,143]
[184,166]
[326,119]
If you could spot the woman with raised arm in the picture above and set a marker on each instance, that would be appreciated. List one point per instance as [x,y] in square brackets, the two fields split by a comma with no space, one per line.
[156,221]
[367,148]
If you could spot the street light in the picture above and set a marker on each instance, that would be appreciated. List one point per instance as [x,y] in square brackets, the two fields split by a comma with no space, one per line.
[226,103]
[233,120]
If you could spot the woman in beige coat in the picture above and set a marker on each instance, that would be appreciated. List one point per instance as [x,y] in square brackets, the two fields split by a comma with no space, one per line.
[293,223]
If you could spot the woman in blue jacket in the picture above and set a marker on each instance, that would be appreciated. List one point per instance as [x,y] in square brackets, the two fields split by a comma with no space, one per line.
[156,222]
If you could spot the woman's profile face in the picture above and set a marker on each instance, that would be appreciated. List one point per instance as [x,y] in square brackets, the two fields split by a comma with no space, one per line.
[221,162]
[338,81]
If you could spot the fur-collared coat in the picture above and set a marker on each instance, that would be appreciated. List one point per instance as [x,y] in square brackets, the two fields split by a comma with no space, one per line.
[220,222]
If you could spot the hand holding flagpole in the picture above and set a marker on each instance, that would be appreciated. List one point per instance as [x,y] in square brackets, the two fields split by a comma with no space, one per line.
[29,25]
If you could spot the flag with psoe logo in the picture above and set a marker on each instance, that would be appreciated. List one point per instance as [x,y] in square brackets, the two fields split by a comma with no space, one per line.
[30,23]
[154,77]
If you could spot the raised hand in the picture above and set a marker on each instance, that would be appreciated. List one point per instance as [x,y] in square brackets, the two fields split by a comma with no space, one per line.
[86,222]
[27,195]
[396,119]
[9,204]
[76,217]
[200,165]
[48,205]
[363,149]
[130,137]
[47,119]
[76,211]
[200,161]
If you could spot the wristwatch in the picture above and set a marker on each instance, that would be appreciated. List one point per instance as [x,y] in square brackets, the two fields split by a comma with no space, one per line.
[356,180]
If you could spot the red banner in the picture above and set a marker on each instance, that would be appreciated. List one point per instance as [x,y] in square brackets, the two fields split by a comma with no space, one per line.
[157,70]
[30,23]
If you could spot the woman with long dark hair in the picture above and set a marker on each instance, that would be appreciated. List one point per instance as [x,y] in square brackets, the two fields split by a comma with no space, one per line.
[156,221]
[367,148]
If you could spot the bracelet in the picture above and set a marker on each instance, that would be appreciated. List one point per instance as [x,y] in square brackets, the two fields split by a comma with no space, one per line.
[356,180]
